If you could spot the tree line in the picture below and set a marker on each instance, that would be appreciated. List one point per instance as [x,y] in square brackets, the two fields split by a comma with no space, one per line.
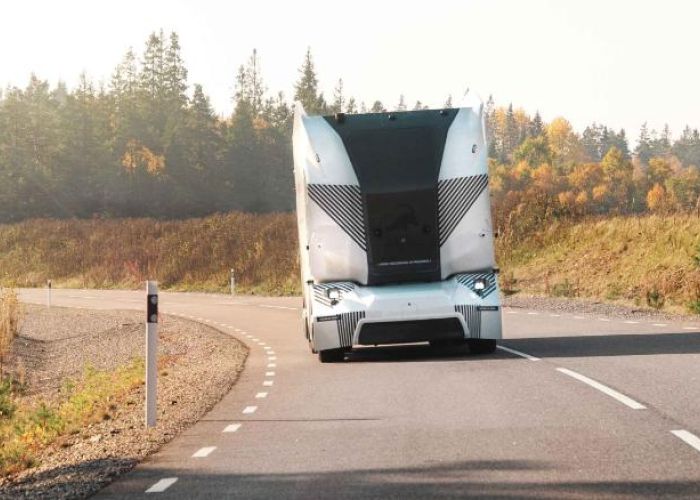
[150,144]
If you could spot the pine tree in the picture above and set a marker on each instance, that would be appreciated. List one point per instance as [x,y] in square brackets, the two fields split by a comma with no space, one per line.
[306,88]
[250,88]
[644,149]
[352,106]
[175,78]
[401,106]
[338,98]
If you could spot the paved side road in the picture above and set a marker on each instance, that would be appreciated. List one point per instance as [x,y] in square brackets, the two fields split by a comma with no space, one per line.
[571,406]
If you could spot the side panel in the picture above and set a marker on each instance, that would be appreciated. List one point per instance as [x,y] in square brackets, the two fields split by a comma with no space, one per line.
[330,241]
[466,239]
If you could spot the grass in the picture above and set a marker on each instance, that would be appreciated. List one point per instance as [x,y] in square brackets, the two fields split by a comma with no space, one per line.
[10,317]
[647,260]
[650,260]
[32,424]
[187,255]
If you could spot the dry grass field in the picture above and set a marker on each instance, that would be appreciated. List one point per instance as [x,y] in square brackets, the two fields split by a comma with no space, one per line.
[648,260]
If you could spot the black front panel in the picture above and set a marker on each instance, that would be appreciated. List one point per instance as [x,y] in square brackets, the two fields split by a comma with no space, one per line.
[396,157]
[399,332]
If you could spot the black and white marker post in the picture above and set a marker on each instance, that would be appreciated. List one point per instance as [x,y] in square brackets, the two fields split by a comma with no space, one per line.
[151,351]
[233,283]
[48,294]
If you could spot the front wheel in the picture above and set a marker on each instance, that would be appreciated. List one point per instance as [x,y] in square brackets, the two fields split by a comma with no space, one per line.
[482,346]
[332,355]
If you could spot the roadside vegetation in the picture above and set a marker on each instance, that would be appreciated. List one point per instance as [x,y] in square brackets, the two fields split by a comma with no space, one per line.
[191,255]
[651,261]
[28,424]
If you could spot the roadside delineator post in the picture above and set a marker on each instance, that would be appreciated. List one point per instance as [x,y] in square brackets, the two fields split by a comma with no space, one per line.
[233,283]
[48,294]
[151,351]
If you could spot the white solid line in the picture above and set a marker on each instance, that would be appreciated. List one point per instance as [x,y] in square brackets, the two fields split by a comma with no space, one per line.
[269,374]
[277,307]
[268,383]
[689,438]
[604,389]
[250,409]
[518,353]
[660,324]
[690,328]
[631,322]
[162,485]
[261,395]
[272,365]
[203,452]
[232,428]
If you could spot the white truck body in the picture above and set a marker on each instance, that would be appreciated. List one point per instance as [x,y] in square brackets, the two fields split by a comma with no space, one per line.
[395,234]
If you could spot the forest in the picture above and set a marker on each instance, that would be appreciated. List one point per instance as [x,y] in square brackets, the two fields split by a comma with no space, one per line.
[149,144]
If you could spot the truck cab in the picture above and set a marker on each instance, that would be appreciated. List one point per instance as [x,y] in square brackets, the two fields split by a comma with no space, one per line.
[395,235]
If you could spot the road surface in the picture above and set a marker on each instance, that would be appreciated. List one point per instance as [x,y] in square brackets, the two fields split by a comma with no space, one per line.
[572,406]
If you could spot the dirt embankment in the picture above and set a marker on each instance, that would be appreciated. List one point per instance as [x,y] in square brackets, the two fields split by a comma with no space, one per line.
[197,366]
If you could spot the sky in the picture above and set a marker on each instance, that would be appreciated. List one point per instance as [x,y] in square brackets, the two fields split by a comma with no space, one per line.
[620,63]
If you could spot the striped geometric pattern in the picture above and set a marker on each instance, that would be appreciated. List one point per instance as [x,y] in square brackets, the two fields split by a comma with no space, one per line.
[472,317]
[468,280]
[343,204]
[347,322]
[455,198]
[320,290]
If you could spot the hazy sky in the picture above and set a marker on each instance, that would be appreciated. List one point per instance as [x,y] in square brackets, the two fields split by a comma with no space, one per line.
[616,62]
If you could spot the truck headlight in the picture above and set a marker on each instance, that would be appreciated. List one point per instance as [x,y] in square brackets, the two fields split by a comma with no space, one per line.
[480,284]
[333,294]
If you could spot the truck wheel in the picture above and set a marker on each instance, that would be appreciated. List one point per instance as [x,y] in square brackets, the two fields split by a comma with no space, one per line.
[482,346]
[332,355]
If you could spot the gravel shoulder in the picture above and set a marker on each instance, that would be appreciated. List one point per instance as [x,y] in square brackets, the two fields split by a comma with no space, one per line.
[590,306]
[198,365]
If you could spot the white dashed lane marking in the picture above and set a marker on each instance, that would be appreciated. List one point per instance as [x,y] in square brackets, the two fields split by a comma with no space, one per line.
[691,328]
[660,324]
[268,383]
[533,313]
[518,353]
[603,319]
[232,428]
[272,365]
[688,437]
[272,358]
[203,452]
[269,374]
[626,400]
[162,485]
[631,322]
[579,317]
[261,395]
[250,409]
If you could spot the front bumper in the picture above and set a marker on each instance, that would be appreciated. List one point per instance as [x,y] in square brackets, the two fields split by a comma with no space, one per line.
[403,308]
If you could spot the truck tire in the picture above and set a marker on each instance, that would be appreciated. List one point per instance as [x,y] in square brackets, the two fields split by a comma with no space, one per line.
[332,355]
[482,346]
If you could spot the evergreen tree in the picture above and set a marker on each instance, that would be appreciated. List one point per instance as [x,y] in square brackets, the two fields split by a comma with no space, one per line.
[306,88]
[377,107]
[338,98]
[644,148]
[352,106]
[249,85]
[401,106]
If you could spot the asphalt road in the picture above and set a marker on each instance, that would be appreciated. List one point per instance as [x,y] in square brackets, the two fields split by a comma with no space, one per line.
[580,407]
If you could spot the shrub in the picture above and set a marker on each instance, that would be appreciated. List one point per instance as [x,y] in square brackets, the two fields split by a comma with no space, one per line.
[655,298]
[563,289]
[10,313]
